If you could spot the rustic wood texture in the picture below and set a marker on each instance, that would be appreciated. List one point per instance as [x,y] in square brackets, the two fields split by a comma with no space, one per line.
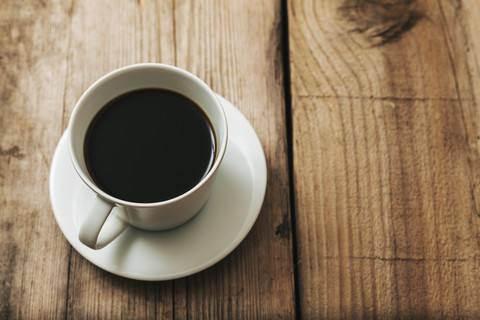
[386,157]
[32,78]
[50,52]
[385,148]
[235,47]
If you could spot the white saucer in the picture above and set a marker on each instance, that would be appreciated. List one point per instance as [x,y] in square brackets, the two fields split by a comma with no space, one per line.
[203,241]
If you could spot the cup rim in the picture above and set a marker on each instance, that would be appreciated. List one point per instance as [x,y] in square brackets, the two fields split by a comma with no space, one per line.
[86,178]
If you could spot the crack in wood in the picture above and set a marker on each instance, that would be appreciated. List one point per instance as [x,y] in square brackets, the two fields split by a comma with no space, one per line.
[420,99]
[401,259]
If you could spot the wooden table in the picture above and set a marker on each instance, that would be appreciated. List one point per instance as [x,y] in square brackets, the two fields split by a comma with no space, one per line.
[368,115]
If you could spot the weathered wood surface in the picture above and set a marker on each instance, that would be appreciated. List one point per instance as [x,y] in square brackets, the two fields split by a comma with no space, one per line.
[385,113]
[50,52]
[385,149]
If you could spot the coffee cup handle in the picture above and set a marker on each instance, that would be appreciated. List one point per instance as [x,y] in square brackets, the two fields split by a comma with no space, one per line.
[90,234]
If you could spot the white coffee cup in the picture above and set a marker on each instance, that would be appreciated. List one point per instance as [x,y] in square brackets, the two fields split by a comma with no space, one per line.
[94,232]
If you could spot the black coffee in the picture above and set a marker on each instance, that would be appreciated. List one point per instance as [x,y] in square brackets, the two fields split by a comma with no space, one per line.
[149,145]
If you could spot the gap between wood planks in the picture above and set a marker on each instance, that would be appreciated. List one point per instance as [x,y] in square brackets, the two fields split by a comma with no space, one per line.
[289,131]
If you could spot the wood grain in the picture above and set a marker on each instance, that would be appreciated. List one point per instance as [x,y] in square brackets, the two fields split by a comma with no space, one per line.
[50,53]
[235,47]
[31,245]
[386,157]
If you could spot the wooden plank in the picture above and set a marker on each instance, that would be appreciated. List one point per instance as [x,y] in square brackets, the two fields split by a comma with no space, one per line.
[32,48]
[385,158]
[235,46]
[50,52]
